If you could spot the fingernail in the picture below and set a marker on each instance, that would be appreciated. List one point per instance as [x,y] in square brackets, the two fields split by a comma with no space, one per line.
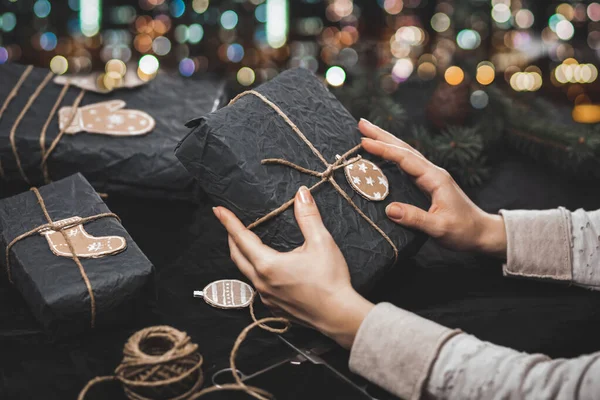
[305,196]
[217,212]
[365,121]
[394,211]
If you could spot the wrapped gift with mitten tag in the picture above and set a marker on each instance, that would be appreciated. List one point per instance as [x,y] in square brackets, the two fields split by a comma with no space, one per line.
[69,256]
[253,155]
[121,140]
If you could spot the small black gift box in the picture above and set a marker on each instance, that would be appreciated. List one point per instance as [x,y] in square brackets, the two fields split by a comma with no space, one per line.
[226,152]
[140,165]
[110,281]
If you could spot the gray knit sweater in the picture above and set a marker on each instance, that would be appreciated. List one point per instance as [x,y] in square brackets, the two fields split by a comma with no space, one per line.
[416,358]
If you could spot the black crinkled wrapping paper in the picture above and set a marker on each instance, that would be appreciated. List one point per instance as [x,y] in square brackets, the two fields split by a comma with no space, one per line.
[225,149]
[139,165]
[52,286]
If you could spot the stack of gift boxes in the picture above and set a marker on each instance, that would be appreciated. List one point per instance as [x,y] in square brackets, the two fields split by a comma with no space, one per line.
[73,261]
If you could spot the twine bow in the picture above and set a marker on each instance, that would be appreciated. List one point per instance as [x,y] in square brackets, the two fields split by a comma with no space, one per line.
[60,228]
[326,176]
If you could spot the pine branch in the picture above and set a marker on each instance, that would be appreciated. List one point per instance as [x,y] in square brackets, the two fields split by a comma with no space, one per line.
[457,149]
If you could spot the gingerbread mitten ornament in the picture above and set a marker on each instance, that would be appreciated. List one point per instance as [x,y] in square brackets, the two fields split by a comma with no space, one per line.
[84,244]
[106,118]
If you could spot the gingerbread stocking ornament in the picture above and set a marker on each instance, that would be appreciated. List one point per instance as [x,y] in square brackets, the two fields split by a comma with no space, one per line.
[106,118]
[84,244]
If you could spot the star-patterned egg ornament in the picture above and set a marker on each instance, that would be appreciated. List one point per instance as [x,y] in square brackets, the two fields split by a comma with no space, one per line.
[367,179]
[227,294]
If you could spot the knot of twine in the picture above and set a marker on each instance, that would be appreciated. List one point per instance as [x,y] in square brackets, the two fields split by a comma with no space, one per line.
[326,176]
[61,227]
[161,362]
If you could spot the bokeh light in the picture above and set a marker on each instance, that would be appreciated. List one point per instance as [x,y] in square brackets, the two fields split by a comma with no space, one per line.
[427,70]
[410,35]
[468,39]
[148,64]
[454,75]
[48,41]
[570,71]
[161,46]
[9,21]
[485,73]
[402,69]
[3,55]
[593,12]
[59,65]
[335,76]
[565,30]
[501,13]
[177,8]
[187,67]
[116,66]
[479,99]
[393,7]
[524,18]
[42,8]
[566,10]
[246,76]
[200,6]
[229,19]
[440,22]
[181,33]
[277,22]
[195,33]
[235,52]
[261,13]
[554,20]
[526,81]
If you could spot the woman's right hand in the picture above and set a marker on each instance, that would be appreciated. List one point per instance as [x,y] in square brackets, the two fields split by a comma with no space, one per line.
[453,219]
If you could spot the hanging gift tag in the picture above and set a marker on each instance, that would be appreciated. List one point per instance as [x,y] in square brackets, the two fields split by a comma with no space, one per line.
[367,180]
[84,244]
[106,118]
[227,293]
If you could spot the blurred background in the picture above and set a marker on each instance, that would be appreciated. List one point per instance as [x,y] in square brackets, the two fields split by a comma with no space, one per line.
[462,80]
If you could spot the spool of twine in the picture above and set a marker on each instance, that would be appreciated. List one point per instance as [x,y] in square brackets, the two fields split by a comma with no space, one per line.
[159,362]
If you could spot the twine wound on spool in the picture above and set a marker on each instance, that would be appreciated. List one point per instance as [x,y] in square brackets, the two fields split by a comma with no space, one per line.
[161,362]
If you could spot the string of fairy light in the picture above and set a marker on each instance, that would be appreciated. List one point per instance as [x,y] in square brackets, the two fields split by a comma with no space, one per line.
[183,35]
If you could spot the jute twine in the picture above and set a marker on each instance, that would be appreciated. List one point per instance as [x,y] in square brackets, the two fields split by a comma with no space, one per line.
[11,95]
[62,229]
[326,176]
[161,362]
[42,140]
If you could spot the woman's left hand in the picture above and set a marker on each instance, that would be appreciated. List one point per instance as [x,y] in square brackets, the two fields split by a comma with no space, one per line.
[311,283]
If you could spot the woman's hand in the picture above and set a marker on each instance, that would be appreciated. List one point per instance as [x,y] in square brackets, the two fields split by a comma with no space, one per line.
[311,283]
[453,219]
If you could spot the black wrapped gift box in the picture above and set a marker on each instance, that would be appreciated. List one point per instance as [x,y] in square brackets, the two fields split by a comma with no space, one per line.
[138,165]
[53,287]
[224,152]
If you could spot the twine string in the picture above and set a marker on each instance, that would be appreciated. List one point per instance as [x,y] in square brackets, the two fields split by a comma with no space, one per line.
[11,95]
[47,153]
[42,140]
[60,228]
[18,120]
[326,176]
[174,369]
